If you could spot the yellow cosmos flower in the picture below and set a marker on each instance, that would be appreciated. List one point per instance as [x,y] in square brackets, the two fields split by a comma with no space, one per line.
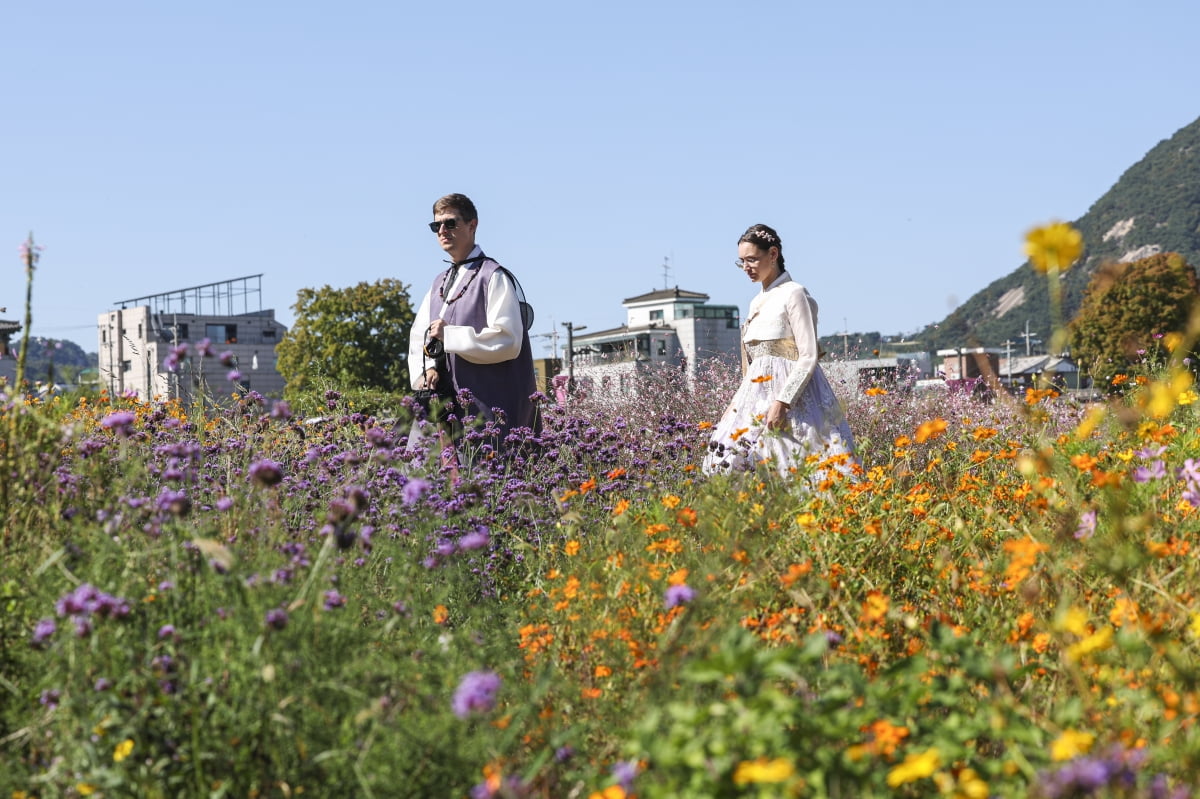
[1172,340]
[85,788]
[1071,744]
[1097,641]
[915,767]
[762,770]
[1053,247]
[1188,396]
[1164,394]
[1074,621]
[122,750]
[1090,422]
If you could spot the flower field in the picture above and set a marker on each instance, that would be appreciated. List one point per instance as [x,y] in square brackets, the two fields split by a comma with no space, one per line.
[239,602]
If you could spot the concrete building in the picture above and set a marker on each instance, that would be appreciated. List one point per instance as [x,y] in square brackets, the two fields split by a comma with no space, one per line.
[135,339]
[665,328]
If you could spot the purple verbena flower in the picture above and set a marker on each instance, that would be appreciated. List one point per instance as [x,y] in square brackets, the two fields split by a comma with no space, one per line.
[413,490]
[334,600]
[679,594]
[474,540]
[476,693]
[43,630]
[120,422]
[276,618]
[266,473]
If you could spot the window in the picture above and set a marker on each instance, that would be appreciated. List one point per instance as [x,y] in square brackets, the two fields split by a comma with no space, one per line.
[662,347]
[656,316]
[221,334]
[182,332]
[126,366]
[269,334]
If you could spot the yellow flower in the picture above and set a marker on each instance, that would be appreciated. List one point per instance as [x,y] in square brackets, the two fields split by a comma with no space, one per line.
[971,785]
[915,767]
[762,770]
[1071,744]
[122,750]
[1053,247]
[1097,641]
[1073,621]
[1172,340]
[85,788]
[1164,394]
[1091,422]
[1195,625]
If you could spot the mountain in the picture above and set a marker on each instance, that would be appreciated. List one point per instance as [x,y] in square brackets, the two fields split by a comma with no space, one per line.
[1154,207]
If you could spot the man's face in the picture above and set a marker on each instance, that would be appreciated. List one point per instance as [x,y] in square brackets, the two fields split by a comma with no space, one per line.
[453,233]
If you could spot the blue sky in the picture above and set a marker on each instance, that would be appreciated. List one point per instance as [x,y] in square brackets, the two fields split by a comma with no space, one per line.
[901,149]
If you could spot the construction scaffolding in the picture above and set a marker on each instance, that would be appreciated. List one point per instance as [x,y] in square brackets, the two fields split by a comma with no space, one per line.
[210,299]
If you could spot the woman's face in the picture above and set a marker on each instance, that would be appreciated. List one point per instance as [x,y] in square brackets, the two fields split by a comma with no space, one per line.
[760,265]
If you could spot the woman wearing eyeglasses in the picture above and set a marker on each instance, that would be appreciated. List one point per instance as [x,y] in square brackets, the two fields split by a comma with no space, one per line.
[784,411]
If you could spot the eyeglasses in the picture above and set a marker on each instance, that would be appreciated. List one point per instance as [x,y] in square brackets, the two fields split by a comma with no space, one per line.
[742,263]
[451,224]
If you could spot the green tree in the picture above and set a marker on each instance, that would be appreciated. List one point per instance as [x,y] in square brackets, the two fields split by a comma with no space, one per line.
[1126,306]
[353,338]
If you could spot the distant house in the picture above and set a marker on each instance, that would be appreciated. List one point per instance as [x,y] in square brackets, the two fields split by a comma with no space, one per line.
[136,338]
[8,354]
[664,328]
[1032,370]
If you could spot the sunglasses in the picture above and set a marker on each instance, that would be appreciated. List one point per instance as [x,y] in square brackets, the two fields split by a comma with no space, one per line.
[451,224]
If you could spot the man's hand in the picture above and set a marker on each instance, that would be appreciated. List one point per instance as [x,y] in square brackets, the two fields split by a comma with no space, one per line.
[435,328]
[431,378]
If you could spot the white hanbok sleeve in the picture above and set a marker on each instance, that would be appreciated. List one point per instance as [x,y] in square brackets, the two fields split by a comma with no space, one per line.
[500,340]
[801,317]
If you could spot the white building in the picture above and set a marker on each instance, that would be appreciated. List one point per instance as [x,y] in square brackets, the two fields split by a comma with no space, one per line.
[664,328]
[136,338]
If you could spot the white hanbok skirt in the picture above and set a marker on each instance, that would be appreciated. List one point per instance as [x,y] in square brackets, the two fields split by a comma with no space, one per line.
[817,439]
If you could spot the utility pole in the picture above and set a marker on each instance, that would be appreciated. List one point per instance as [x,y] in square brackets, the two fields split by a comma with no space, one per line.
[1008,345]
[570,353]
[845,338]
[1028,337]
[666,267]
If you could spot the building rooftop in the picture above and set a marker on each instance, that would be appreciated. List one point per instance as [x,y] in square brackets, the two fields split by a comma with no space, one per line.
[667,294]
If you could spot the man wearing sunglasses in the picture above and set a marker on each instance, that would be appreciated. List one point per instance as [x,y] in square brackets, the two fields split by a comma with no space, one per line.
[469,331]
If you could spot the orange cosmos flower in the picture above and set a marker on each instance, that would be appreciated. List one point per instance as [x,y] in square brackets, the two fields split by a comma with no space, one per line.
[930,429]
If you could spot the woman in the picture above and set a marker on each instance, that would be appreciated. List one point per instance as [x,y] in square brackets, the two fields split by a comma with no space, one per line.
[784,411]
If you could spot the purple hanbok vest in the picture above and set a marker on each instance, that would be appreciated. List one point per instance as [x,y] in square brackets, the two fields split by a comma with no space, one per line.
[506,385]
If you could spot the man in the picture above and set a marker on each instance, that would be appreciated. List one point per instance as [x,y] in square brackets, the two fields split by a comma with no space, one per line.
[472,314]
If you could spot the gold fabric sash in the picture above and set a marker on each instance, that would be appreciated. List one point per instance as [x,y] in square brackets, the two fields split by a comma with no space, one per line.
[779,347]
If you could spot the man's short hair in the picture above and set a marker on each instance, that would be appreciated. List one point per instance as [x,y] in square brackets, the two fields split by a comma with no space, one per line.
[460,203]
